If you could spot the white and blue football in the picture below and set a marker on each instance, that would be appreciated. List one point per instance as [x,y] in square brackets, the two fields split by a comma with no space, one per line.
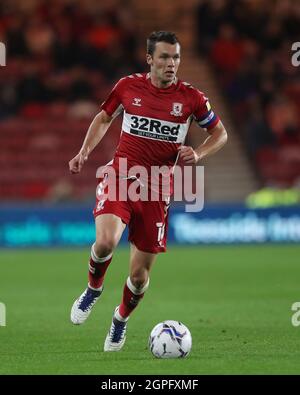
[170,339]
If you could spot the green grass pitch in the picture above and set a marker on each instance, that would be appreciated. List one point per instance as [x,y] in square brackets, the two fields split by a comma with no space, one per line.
[236,300]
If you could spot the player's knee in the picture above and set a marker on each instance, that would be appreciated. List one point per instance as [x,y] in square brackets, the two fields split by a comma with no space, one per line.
[104,245]
[139,279]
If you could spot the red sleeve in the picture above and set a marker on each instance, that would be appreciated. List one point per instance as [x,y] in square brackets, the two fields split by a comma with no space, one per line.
[203,113]
[113,104]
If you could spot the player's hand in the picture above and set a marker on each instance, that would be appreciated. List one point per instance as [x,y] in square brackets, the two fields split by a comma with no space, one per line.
[75,164]
[188,155]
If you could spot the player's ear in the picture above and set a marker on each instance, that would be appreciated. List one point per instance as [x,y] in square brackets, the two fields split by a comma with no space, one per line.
[149,59]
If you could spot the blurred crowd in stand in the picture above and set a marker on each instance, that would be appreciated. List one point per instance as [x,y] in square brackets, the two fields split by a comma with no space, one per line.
[63,57]
[249,43]
[63,52]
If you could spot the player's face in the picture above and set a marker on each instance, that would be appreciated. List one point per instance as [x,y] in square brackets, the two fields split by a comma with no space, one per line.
[164,62]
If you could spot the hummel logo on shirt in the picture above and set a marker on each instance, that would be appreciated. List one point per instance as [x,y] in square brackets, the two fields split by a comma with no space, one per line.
[137,101]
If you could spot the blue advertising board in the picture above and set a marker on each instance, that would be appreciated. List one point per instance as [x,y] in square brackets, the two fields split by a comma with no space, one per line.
[73,225]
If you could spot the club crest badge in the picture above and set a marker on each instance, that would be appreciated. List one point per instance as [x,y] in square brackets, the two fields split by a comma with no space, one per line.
[177,109]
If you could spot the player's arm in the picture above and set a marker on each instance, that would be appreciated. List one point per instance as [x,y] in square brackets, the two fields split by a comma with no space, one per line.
[216,140]
[94,135]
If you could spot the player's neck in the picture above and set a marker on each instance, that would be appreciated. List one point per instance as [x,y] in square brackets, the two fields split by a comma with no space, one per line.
[161,84]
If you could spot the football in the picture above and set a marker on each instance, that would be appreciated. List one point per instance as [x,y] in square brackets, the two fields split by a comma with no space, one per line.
[170,339]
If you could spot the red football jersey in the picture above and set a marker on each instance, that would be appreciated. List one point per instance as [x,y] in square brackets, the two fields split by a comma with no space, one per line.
[155,121]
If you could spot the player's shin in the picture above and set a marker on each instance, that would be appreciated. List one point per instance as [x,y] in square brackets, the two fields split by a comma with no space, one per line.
[97,269]
[131,297]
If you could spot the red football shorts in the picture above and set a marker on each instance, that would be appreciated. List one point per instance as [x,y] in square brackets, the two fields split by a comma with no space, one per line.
[147,220]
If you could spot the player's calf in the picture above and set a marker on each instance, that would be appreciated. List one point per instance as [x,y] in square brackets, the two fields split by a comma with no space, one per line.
[131,297]
[97,268]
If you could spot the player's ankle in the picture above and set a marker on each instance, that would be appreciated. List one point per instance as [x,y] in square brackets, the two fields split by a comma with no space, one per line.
[119,317]
[95,288]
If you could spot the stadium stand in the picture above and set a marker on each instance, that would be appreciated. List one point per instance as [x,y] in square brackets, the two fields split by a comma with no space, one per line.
[62,62]
[64,59]
[249,44]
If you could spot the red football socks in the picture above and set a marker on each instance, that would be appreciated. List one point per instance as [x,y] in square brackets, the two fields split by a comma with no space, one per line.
[97,269]
[131,298]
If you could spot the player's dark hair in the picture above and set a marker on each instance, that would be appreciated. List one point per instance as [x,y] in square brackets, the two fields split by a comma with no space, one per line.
[162,36]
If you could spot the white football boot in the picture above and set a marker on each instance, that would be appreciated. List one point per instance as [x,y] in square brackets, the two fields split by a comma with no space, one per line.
[116,336]
[82,306]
